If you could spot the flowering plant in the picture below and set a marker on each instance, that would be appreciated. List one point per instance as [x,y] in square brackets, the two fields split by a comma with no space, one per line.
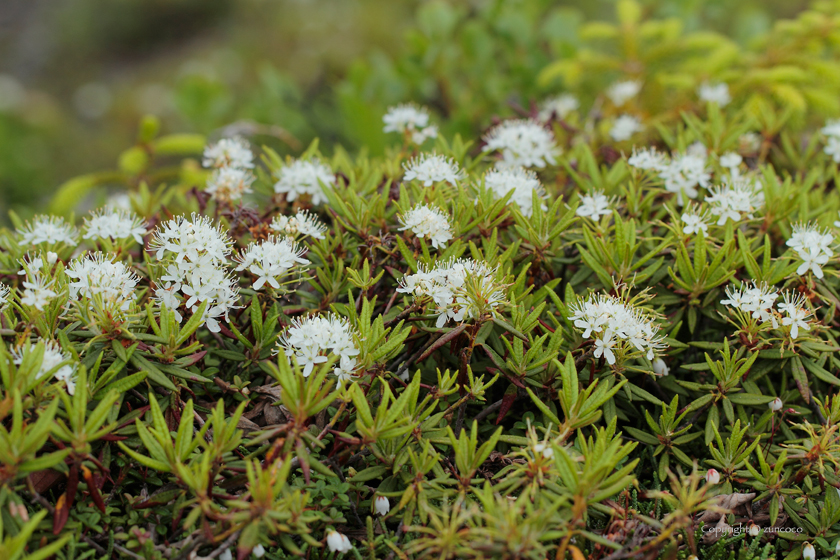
[451,349]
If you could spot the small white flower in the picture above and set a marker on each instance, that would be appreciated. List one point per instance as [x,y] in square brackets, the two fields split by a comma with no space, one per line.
[694,223]
[831,128]
[543,449]
[426,221]
[604,346]
[229,152]
[459,289]
[382,505]
[660,367]
[813,246]
[808,552]
[797,314]
[114,224]
[338,542]
[736,200]
[560,106]
[832,148]
[716,92]
[54,356]
[624,127]
[5,292]
[37,290]
[226,555]
[648,159]
[304,177]
[684,173]
[48,229]
[521,181]
[775,405]
[410,119]
[98,275]
[621,92]
[731,160]
[756,299]
[195,252]
[302,224]
[754,530]
[271,261]
[712,477]
[312,339]
[522,143]
[594,206]
[616,324]
[228,184]
[429,169]
[259,551]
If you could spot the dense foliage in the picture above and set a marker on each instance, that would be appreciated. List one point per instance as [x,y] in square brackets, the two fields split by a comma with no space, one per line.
[604,329]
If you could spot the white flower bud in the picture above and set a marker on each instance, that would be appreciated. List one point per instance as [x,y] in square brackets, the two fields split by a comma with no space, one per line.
[775,405]
[382,505]
[660,367]
[837,548]
[808,552]
[226,555]
[338,542]
[51,257]
[259,551]
[754,530]
[712,477]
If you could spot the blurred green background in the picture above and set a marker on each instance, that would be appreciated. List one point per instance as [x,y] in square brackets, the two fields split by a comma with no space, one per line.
[76,76]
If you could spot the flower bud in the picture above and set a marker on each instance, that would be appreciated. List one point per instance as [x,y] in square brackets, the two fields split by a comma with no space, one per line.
[382,505]
[51,257]
[226,555]
[712,477]
[808,552]
[754,530]
[259,551]
[660,367]
[775,405]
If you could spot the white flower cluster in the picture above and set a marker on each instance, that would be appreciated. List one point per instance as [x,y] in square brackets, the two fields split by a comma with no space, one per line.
[304,177]
[559,106]
[460,289]
[302,224]
[410,120]
[616,325]
[624,127]
[115,224]
[52,230]
[813,246]
[521,181]
[195,254]
[229,152]
[681,174]
[53,357]
[38,283]
[101,276]
[831,130]
[737,199]
[271,261]
[433,168]
[714,92]
[522,143]
[311,340]
[228,184]
[758,301]
[595,205]
[623,91]
[232,161]
[426,221]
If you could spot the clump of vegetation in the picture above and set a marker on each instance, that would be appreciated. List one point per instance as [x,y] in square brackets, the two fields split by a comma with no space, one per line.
[605,328]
